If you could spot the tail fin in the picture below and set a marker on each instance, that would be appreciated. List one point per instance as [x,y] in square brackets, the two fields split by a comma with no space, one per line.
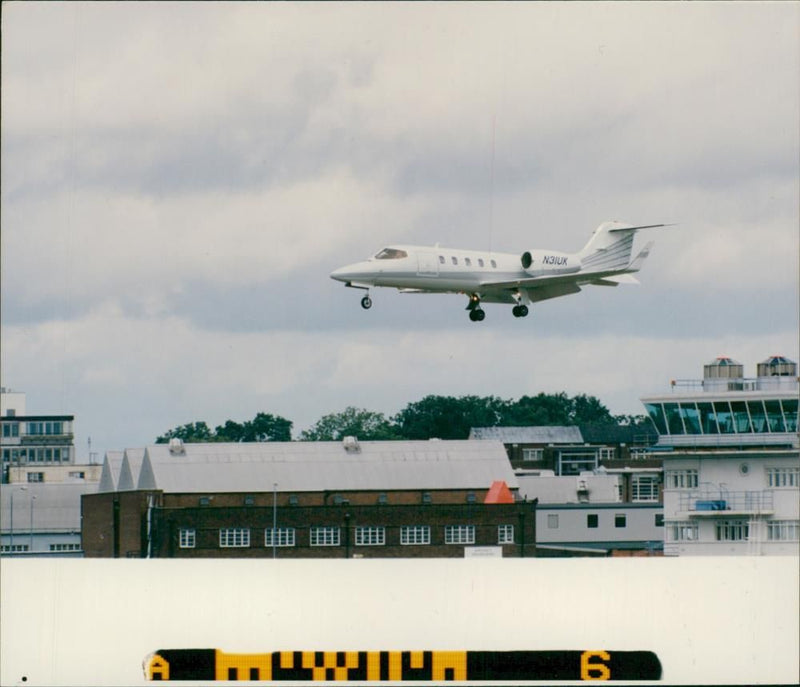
[610,246]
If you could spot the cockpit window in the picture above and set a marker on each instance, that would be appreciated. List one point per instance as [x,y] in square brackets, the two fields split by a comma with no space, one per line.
[391,254]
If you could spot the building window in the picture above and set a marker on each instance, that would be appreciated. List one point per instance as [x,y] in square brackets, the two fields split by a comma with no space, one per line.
[620,520]
[783,530]
[16,548]
[382,499]
[681,530]
[659,520]
[471,497]
[505,534]
[10,429]
[533,454]
[732,530]
[426,497]
[783,477]
[552,521]
[65,547]
[283,536]
[591,520]
[644,488]
[234,537]
[36,477]
[575,462]
[370,536]
[681,479]
[411,535]
[459,534]
[325,536]
[186,538]
[608,453]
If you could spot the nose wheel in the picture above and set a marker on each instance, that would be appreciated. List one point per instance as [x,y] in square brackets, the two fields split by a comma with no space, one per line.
[366,302]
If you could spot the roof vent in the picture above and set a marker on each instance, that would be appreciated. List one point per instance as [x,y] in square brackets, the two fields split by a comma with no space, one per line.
[723,374]
[777,373]
[176,447]
[351,445]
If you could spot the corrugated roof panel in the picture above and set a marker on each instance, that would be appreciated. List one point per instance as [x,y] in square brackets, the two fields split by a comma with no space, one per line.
[326,466]
[529,435]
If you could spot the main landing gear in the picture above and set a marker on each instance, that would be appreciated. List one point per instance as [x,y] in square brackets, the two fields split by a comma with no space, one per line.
[476,313]
[520,310]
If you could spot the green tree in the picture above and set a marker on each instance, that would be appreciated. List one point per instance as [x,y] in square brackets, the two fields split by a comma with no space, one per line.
[446,417]
[263,427]
[356,422]
[192,432]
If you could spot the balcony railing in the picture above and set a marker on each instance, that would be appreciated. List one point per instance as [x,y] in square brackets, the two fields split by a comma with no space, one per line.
[724,502]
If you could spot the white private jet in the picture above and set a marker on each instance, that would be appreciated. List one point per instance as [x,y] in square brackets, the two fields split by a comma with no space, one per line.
[487,277]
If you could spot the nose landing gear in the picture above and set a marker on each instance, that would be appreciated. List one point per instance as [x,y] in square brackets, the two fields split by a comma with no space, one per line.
[366,302]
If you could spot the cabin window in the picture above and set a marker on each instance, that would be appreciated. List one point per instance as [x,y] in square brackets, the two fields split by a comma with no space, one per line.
[454,260]
[480,262]
[391,254]
[493,263]
[441,259]
[468,262]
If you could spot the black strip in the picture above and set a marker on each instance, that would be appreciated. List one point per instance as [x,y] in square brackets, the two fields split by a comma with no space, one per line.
[190,664]
[559,665]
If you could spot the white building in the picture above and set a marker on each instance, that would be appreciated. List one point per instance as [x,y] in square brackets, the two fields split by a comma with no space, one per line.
[731,460]
[36,440]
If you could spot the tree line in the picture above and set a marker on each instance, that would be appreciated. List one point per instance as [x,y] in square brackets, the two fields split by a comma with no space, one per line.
[440,417]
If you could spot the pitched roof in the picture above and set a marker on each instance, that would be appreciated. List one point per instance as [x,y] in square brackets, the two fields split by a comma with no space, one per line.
[325,466]
[528,435]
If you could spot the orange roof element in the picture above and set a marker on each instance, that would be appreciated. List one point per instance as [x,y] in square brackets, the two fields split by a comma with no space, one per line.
[499,493]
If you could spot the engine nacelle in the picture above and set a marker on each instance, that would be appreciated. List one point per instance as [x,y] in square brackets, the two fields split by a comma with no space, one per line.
[541,262]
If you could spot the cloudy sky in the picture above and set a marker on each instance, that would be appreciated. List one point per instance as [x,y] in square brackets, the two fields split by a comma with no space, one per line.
[178,181]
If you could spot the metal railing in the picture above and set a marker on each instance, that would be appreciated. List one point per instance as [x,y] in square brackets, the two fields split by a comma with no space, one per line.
[723,500]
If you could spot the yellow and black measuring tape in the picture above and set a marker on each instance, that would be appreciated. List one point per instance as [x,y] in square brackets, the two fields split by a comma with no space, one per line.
[400,666]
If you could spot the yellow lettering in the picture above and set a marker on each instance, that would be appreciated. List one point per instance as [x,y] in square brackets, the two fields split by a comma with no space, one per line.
[595,671]
[158,668]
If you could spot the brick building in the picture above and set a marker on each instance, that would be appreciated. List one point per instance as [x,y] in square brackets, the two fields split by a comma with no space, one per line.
[309,500]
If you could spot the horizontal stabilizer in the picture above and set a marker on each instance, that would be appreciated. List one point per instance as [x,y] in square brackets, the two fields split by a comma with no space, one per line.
[616,280]
[644,226]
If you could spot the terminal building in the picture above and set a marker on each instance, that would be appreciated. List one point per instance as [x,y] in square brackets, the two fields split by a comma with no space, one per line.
[345,499]
[33,440]
[729,446]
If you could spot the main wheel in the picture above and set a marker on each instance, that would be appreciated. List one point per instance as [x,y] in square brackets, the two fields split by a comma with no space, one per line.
[476,315]
[366,302]
[523,310]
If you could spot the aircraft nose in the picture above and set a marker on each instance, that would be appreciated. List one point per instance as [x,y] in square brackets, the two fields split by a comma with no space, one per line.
[340,274]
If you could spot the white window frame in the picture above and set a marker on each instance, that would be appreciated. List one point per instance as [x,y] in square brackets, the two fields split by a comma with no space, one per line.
[234,538]
[783,530]
[415,535]
[325,535]
[681,530]
[783,478]
[682,479]
[644,488]
[732,530]
[459,534]
[187,538]
[505,534]
[532,454]
[286,537]
[370,535]
[65,547]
